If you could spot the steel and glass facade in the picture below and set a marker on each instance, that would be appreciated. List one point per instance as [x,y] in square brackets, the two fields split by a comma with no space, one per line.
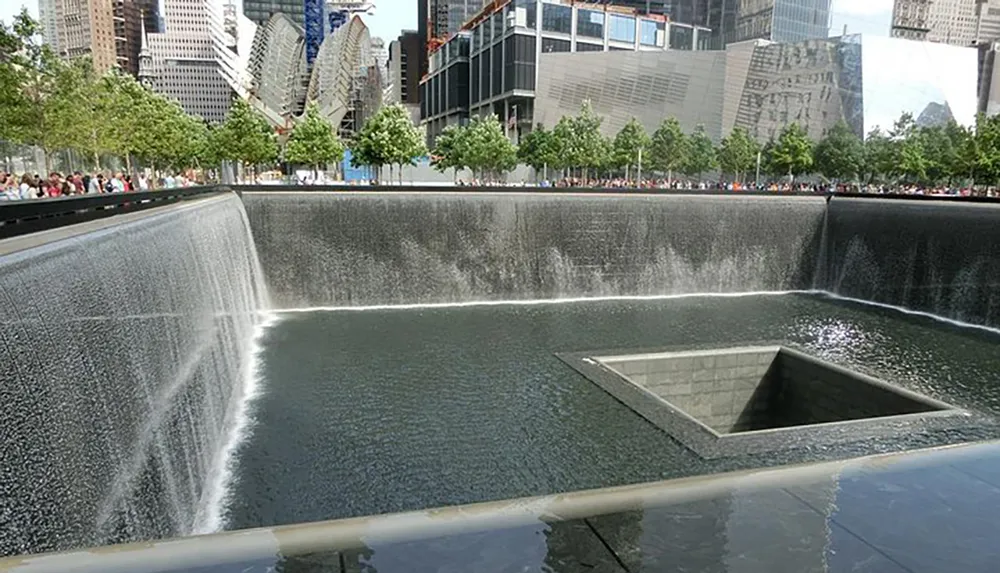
[492,67]
[867,82]
[260,11]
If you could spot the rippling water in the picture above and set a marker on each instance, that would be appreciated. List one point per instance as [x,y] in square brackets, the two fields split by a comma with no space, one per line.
[376,411]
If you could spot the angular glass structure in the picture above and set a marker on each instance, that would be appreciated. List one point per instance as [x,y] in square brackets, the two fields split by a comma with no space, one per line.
[867,82]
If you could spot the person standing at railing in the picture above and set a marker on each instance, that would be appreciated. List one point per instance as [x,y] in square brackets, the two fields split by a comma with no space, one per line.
[28,188]
[117,185]
[10,190]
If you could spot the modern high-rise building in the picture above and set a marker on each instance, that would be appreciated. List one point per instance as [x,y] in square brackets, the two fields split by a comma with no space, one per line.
[47,18]
[404,73]
[127,15]
[182,60]
[956,22]
[260,11]
[491,66]
[444,17]
[85,28]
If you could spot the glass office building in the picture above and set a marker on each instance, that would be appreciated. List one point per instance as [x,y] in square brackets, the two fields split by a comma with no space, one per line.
[867,82]
[260,11]
[491,67]
[739,20]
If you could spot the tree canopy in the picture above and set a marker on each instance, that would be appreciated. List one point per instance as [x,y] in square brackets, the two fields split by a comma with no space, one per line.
[840,155]
[669,147]
[629,146]
[480,146]
[701,155]
[791,153]
[388,138]
[313,142]
[737,153]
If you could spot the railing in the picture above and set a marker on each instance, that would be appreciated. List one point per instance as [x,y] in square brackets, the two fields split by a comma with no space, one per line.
[30,216]
[259,549]
[450,189]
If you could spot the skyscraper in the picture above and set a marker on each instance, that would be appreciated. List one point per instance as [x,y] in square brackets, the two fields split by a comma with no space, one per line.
[85,28]
[183,63]
[740,20]
[403,71]
[448,16]
[127,15]
[260,11]
[48,20]
[956,22]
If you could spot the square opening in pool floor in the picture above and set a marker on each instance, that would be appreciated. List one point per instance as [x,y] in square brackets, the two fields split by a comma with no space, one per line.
[738,401]
[748,389]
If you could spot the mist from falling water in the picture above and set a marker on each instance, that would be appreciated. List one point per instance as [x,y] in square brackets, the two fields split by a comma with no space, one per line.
[128,364]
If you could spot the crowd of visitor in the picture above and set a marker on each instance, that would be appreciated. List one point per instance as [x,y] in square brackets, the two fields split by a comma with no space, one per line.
[28,186]
[681,184]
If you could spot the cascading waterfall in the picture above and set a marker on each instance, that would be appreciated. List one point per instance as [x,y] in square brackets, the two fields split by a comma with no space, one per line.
[928,256]
[329,249]
[126,351]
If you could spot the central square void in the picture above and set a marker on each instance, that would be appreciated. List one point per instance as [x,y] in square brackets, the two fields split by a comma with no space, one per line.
[749,389]
[726,402]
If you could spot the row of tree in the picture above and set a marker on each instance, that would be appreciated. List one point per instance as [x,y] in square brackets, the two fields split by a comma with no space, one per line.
[947,154]
[113,120]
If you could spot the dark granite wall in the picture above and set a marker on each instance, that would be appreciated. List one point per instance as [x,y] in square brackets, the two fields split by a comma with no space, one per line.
[932,256]
[322,249]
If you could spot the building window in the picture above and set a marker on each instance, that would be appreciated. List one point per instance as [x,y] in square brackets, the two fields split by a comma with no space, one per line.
[498,25]
[585,47]
[484,75]
[557,18]
[621,28]
[525,13]
[681,38]
[497,70]
[476,38]
[652,33]
[704,40]
[519,62]
[590,23]
[550,45]
[475,79]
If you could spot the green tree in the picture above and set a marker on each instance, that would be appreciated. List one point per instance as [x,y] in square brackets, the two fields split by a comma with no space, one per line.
[580,141]
[20,55]
[669,148]
[313,142]
[738,153]
[791,154]
[984,152]
[946,149]
[487,150]
[245,137]
[879,157]
[701,154]
[630,144]
[840,155]
[388,138]
[541,150]
[450,150]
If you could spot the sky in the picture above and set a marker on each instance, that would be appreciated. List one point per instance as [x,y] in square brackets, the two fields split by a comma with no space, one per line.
[392,16]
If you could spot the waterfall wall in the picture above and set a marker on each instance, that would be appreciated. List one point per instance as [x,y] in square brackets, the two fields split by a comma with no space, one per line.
[124,343]
[332,249]
[932,256]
